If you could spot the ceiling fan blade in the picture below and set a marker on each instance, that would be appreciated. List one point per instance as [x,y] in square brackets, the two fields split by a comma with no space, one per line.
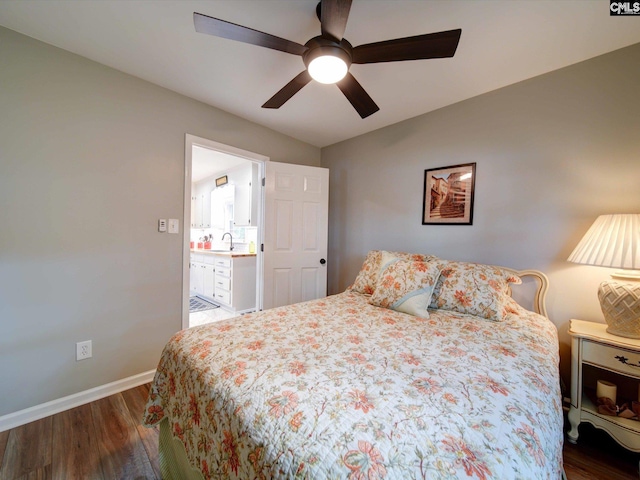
[224,29]
[288,91]
[360,99]
[333,18]
[420,47]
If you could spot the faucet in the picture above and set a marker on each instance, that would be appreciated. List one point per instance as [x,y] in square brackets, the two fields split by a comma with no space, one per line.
[231,237]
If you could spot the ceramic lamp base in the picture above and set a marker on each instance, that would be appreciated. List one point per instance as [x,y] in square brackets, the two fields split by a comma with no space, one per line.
[620,303]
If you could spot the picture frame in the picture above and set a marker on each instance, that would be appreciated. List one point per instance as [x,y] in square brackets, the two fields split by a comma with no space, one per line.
[448,195]
[220,181]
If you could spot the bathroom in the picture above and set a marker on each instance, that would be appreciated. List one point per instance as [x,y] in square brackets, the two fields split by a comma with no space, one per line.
[223,236]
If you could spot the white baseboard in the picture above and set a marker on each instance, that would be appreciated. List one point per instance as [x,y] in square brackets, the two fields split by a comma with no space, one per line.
[43,410]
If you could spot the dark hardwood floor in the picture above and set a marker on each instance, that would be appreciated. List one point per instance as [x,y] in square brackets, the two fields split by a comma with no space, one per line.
[100,440]
[598,457]
[105,440]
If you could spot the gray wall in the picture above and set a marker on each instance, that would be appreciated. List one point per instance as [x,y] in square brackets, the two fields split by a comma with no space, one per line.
[552,154]
[90,158]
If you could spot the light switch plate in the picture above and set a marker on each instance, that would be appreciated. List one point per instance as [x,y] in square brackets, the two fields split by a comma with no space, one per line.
[162,225]
[174,225]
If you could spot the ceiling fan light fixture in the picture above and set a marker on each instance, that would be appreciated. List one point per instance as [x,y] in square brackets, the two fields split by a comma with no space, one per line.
[327,64]
[327,69]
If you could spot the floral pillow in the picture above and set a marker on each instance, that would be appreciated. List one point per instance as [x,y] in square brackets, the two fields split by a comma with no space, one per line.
[474,289]
[367,279]
[406,286]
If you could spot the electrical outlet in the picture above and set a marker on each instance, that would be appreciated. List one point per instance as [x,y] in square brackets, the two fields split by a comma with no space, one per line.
[83,350]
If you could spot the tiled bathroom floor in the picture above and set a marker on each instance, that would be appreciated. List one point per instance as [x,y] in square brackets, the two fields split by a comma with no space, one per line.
[209,316]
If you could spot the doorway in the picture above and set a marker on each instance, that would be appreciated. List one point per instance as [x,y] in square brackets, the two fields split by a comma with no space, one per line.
[224,216]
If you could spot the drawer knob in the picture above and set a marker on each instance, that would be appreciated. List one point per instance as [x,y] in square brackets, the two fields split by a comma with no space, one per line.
[625,360]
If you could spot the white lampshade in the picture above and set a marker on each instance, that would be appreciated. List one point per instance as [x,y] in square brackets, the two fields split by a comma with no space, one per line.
[612,241]
[327,69]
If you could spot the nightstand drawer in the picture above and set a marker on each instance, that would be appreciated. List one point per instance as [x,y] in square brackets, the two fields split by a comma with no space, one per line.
[614,358]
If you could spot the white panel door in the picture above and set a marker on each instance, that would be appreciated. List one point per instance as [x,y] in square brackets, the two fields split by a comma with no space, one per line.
[296,231]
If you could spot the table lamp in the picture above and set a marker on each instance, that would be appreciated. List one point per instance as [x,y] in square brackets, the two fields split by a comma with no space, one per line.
[614,241]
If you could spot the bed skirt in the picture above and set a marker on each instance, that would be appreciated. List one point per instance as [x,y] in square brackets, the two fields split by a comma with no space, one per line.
[174,464]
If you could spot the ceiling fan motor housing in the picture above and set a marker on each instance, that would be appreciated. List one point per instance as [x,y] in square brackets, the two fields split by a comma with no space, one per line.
[319,46]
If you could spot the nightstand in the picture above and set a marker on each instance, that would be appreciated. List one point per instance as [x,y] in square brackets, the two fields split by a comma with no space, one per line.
[601,354]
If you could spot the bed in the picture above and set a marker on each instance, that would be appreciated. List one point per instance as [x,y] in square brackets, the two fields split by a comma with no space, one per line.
[423,368]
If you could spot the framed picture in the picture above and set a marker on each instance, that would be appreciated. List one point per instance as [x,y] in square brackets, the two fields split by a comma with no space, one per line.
[448,195]
[221,181]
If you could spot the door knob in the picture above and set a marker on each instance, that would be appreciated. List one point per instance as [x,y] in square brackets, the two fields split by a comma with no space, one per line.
[322,261]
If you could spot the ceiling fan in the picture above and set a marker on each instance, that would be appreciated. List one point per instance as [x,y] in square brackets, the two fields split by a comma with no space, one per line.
[327,57]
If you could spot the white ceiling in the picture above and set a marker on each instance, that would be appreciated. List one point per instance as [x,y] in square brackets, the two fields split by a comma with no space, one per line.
[503,42]
[206,163]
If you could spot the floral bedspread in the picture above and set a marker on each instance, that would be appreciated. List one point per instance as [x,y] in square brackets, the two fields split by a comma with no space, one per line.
[338,388]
